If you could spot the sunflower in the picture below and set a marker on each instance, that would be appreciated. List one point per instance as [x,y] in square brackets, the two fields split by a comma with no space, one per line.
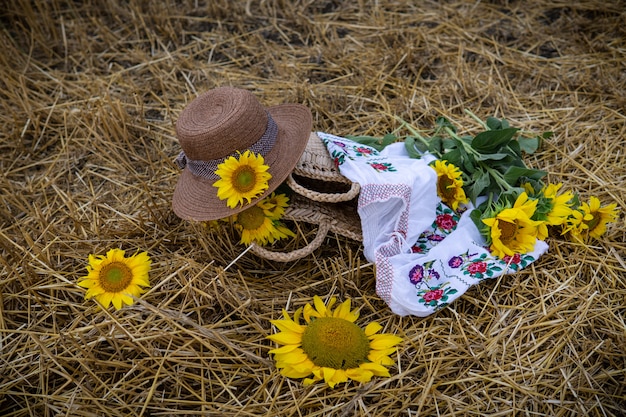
[330,346]
[552,209]
[241,179]
[590,219]
[560,204]
[114,278]
[259,224]
[275,204]
[449,184]
[512,230]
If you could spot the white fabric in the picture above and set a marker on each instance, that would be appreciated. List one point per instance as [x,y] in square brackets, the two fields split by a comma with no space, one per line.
[426,255]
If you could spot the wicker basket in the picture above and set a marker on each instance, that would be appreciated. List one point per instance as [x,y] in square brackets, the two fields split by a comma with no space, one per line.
[322,196]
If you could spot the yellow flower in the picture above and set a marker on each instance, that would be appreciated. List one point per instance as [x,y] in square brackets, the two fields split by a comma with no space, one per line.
[259,225]
[241,179]
[512,230]
[552,209]
[114,278]
[275,204]
[330,346]
[449,184]
[590,220]
[561,204]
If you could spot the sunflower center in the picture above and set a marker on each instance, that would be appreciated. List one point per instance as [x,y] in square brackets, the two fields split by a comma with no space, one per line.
[445,187]
[592,223]
[115,277]
[244,179]
[252,218]
[508,230]
[335,343]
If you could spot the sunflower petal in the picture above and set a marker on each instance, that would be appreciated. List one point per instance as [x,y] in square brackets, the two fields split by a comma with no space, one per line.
[384,341]
[359,374]
[320,306]
[375,368]
[286,338]
[372,328]
[288,326]
[284,349]
[295,373]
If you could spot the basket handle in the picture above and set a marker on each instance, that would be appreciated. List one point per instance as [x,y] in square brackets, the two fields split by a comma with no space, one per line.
[354,190]
[322,231]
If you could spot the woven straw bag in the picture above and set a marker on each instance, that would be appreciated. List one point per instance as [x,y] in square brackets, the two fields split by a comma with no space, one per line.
[322,196]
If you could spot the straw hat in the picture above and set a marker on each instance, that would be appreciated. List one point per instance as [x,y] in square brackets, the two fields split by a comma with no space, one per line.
[221,123]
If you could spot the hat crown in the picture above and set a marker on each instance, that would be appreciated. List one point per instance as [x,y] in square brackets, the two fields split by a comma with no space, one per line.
[220,122]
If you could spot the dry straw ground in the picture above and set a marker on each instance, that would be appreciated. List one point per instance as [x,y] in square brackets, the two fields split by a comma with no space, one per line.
[90,91]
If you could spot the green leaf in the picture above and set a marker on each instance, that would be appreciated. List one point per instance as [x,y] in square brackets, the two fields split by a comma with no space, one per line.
[492,156]
[482,180]
[493,123]
[453,157]
[448,144]
[414,147]
[477,217]
[513,173]
[388,139]
[435,145]
[529,145]
[375,142]
[468,162]
[491,140]
[515,148]
[442,122]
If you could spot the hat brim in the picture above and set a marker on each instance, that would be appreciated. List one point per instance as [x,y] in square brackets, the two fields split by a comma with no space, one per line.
[195,198]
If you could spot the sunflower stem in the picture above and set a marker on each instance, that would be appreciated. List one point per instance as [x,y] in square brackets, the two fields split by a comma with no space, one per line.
[466,147]
[416,134]
[498,177]
[477,119]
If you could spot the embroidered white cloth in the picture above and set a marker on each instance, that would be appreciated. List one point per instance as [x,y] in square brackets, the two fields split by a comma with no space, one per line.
[426,255]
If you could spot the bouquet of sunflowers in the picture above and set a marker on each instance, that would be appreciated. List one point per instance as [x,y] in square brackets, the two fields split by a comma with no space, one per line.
[513,204]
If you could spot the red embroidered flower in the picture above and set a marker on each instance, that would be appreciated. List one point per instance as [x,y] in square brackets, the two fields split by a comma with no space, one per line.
[365,151]
[433,295]
[379,167]
[477,267]
[445,221]
[515,259]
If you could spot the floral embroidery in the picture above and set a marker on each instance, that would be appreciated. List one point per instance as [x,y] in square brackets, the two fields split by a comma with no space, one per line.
[338,158]
[485,266]
[436,296]
[344,150]
[418,248]
[423,276]
[416,274]
[382,166]
[455,262]
[517,261]
[364,151]
[481,267]
[419,273]
[445,223]
[339,144]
